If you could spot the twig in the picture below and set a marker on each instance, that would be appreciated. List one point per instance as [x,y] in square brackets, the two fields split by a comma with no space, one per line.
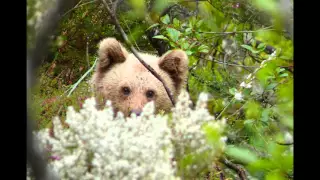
[220,172]
[87,52]
[240,171]
[225,107]
[135,52]
[237,32]
[79,5]
[285,143]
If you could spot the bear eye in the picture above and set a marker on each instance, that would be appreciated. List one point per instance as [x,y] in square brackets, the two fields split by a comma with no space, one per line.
[150,94]
[126,91]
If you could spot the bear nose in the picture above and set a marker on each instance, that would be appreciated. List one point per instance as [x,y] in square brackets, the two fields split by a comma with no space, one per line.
[136,111]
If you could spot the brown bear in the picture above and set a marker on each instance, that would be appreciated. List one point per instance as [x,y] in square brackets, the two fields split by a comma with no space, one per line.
[121,78]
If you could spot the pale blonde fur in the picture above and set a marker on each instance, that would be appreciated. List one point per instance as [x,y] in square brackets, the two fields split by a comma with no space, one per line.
[117,68]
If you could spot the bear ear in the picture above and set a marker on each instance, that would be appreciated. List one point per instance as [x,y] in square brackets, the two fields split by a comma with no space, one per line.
[110,52]
[175,63]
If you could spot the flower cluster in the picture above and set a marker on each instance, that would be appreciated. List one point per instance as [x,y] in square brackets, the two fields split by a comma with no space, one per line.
[98,144]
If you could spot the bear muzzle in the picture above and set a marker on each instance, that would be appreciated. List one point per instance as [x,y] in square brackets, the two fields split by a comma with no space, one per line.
[135,111]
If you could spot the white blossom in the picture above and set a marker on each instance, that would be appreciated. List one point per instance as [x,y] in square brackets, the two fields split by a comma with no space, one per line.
[98,145]
[238,96]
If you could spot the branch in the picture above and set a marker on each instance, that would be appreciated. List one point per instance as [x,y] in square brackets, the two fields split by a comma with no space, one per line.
[285,143]
[135,52]
[34,56]
[238,32]
[240,171]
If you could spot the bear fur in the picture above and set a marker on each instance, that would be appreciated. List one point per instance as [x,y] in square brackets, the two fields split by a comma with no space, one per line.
[121,78]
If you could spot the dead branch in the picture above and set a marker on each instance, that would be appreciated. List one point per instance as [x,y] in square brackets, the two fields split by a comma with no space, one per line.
[240,171]
[134,51]
[285,143]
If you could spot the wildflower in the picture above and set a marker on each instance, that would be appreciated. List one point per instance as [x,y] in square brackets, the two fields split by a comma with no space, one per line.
[238,96]
[246,85]
[99,145]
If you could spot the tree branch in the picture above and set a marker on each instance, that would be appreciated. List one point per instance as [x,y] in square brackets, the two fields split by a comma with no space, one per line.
[134,51]
[240,171]
[34,56]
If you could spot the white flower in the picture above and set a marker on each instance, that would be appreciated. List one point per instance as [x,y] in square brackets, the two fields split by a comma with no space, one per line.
[98,145]
[238,96]
[246,85]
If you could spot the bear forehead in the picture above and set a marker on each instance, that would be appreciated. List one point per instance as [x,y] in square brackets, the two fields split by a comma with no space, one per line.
[135,65]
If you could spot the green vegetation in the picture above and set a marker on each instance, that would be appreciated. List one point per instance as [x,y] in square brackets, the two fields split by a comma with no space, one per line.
[230,46]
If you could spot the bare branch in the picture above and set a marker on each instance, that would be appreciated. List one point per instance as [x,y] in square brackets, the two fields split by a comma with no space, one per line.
[240,171]
[285,143]
[135,52]
[79,5]
[237,32]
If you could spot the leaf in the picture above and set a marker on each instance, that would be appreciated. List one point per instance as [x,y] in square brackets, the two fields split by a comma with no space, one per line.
[160,37]
[271,86]
[265,115]
[173,34]
[153,25]
[284,75]
[248,121]
[165,19]
[188,30]
[241,154]
[185,45]
[176,23]
[203,48]
[249,48]
[233,91]
[188,52]
[192,44]
[261,46]
[199,23]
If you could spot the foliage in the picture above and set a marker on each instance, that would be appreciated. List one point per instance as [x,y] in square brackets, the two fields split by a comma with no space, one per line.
[239,52]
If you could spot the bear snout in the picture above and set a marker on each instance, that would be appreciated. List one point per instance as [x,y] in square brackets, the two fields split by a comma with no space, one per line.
[135,111]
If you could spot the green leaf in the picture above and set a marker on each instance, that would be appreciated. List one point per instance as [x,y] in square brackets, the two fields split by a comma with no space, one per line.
[271,86]
[265,115]
[188,52]
[284,75]
[280,70]
[160,37]
[192,44]
[233,91]
[248,121]
[188,31]
[176,23]
[275,175]
[241,154]
[173,34]
[249,48]
[203,48]
[199,23]
[261,46]
[165,19]
[153,25]
[185,45]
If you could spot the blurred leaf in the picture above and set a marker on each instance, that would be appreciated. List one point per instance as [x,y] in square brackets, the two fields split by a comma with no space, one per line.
[153,25]
[253,110]
[203,48]
[233,91]
[249,48]
[165,19]
[160,37]
[173,34]
[241,154]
